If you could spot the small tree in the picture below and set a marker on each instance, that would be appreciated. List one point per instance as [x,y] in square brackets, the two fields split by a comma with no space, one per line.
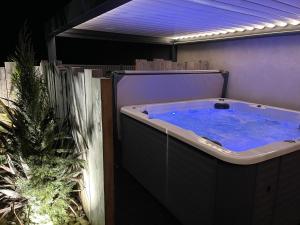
[38,165]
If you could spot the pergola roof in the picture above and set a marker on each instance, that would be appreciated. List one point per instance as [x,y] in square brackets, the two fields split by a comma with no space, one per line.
[177,21]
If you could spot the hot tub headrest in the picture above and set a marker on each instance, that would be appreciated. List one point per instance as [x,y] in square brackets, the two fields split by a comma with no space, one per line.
[222,105]
[213,141]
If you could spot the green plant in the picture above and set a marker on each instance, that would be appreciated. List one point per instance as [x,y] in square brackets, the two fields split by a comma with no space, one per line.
[39,167]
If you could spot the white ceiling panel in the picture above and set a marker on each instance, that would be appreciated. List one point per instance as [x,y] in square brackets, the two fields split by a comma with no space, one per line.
[196,18]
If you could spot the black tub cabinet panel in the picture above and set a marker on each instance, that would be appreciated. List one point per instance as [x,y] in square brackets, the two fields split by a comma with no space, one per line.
[191,185]
[200,189]
[144,156]
[234,194]
[287,208]
[265,191]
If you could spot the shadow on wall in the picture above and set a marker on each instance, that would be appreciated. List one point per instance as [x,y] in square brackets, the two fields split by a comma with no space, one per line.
[86,92]
[77,95]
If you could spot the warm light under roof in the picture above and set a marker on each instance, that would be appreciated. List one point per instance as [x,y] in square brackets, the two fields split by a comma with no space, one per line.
[194,19]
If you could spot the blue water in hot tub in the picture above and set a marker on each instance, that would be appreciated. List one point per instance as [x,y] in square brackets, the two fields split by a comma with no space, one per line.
[235,130]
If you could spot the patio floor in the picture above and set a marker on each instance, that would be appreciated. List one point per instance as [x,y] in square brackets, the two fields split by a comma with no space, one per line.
[136,206]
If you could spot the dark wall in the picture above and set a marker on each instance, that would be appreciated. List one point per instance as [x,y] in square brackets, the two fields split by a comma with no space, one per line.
[81,51]
[12,18]
[10,38]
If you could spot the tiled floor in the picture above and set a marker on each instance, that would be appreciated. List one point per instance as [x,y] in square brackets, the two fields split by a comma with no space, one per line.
[135,206]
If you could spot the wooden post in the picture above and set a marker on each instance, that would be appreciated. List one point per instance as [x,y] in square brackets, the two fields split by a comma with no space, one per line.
[51,46]
[108,149]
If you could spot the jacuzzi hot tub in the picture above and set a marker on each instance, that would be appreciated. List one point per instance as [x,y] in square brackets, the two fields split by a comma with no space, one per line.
[239,165]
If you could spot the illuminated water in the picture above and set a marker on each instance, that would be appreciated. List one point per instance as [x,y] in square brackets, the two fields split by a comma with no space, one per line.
[235,130]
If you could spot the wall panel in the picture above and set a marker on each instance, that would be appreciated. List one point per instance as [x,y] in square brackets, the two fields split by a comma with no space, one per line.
[263,70]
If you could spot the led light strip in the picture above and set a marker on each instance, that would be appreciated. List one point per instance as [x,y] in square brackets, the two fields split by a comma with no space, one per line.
[239,30]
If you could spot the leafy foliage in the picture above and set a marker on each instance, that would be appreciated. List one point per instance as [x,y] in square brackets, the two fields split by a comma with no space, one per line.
[39,167]
[28,82]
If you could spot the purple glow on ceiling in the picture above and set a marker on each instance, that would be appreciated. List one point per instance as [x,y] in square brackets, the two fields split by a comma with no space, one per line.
[177,18]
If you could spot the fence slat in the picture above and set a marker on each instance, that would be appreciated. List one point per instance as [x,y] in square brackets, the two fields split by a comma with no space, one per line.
[3,89]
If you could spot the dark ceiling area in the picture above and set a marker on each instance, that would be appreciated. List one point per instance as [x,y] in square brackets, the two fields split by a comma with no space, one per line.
[71,51]
[15,13]
[93,52]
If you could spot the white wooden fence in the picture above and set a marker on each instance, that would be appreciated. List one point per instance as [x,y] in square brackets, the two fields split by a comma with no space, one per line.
[161,64]
[6,91]
[76,93]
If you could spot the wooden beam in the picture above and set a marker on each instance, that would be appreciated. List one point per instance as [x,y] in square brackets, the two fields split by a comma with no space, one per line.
[77,12]
[99,35]
[51,45]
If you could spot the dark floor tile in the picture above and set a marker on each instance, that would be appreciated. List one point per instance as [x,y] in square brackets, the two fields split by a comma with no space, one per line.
[136,206]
